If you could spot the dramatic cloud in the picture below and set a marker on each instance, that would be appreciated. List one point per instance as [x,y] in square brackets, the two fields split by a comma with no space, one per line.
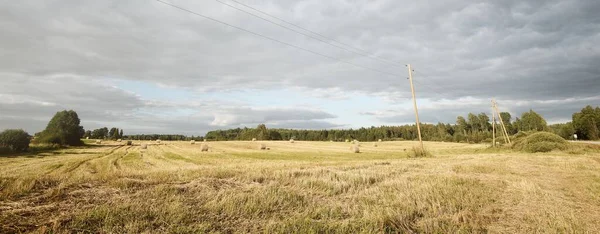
[58,55]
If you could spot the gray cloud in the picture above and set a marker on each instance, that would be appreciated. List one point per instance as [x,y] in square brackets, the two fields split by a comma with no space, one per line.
[446,111]
[29,102]
[63,55]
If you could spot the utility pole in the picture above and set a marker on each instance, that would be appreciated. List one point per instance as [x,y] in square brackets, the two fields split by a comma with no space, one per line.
[493,125]
[506,138]
[412,89]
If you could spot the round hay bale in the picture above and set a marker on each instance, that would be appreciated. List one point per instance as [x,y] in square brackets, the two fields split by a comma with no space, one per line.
[129,143]
[192,142]
[355,149]
[204,148]
[204,140]
[262,146]
[291,140]
[380,140]
[253,139]
[98,142]
[144,146]
[330,140]
[158,141]
[87,138]
[119,140]
[347,140]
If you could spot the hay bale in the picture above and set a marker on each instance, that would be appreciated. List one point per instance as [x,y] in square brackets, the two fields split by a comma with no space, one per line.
[380,140]
[204,148]
[204,140]
[540,142]
[129,143]
[262,146]
[291,140]
[253,139]
[119,140]
[330,140]
[355,142]
[347,140]
[98,142]
[87,138]
[144,146]
[355,149]
[192,142]
[158,141]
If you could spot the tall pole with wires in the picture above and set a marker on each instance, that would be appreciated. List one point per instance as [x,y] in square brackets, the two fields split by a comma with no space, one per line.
[493,125]
[412,89]
[505,133]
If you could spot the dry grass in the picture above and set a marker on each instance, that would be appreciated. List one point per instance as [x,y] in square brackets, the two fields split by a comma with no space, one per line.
[305,187]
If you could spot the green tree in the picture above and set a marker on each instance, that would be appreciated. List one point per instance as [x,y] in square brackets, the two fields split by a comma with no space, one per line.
[100,133]
[462,125]
[262,132]
[507,119]
[532,121]
[565,130]
[484,122]
[473,122]
[587,123]
[63,129]
[87,134]
[15,139]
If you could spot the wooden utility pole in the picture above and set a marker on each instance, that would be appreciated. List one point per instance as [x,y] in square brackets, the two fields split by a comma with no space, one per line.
[493,125]
[506,138]
[412,89]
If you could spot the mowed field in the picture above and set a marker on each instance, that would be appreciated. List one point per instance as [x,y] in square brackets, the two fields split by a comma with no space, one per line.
[301,187]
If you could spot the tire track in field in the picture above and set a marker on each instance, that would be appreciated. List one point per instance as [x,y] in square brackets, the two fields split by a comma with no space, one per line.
[78,164]
[177,154]
[116,162]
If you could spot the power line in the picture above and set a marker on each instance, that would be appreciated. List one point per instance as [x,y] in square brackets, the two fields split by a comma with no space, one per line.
[431,84]
[307,35]
[276,40]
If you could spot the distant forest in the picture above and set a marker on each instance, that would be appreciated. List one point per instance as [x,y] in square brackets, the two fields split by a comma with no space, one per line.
[474,128]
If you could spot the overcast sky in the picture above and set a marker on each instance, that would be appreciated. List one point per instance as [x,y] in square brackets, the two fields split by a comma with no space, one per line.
[148,67]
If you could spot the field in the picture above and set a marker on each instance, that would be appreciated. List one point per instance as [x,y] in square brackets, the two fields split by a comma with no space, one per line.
[301,187]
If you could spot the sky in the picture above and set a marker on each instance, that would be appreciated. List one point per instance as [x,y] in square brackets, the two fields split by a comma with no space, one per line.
[188,67]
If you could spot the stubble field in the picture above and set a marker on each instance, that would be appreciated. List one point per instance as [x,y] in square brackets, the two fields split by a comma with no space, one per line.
[301,187]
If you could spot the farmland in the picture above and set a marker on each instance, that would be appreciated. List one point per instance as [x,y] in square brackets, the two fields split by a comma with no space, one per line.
[298,187]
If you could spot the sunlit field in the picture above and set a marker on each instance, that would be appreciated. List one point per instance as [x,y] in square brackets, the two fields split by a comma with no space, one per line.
[300,187]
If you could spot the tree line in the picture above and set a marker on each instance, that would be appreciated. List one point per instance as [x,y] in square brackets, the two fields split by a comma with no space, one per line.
[64,129]
[164,137]
[474,128]
[104,133]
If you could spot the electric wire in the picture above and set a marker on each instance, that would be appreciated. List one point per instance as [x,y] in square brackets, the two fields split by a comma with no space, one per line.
[276,40]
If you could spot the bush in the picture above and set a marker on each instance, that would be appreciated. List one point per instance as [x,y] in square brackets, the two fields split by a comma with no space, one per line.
[540,142]
[520,134]
[417,152]
[15,140]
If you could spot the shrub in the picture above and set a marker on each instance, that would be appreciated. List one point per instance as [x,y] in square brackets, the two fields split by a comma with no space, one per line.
[14,140]
[418,152]
[521,134]
[540,142]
